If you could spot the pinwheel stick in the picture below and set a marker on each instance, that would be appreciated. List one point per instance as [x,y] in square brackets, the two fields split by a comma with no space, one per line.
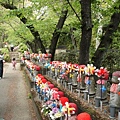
[89,90]
[119,114]
[67,113]
[101,96]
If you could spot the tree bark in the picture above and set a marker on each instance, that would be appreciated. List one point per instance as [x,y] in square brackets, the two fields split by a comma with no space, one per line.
[73,39]
[30,27]
[106,40]
[31,46]
[56,33]
[86,32]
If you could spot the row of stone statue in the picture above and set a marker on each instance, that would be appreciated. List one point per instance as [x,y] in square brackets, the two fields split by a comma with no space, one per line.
[88,82]
[91,85]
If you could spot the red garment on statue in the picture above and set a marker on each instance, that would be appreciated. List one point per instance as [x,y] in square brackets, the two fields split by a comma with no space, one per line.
[114,88]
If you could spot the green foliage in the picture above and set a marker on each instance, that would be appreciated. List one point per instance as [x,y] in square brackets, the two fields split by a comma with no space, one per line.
[22,48]
[44,15]
[5,51]
[29,96]
[112,55]
[7,58]
[71,57]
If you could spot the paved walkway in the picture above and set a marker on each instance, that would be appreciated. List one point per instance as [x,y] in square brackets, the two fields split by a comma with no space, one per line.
[14,102]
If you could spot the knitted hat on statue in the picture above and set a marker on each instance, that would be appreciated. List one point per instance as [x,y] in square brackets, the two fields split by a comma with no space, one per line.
[115,77]
[63,100]
[116,73]
[84,116]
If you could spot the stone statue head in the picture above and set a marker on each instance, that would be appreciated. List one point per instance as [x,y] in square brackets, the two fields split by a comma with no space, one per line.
[115,77]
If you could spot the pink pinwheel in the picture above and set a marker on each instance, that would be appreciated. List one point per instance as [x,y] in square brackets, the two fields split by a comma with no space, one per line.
[101,82]
[55,110]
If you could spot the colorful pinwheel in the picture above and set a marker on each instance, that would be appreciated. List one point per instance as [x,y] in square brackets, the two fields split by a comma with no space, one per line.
[67,109]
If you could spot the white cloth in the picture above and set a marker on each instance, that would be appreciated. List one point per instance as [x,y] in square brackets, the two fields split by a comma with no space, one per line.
[11,45]
[1,57]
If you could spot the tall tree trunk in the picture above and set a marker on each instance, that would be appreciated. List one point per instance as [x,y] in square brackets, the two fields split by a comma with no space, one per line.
[2,39]
[31,46]
[86,31]
[73,39]
[106,40]
[57,32]
[37,39]
[30,27]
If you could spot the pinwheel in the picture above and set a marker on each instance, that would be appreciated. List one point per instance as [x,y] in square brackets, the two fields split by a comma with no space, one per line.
[55,95]
[58,114]
[89,69]
[47,65]
[74,106]
[55,110]
[103,88]
[38,89]
[103,73]
[88,82]
[42,86]
[67,110]
[99,82]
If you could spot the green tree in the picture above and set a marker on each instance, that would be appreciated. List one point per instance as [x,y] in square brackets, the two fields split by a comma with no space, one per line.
[79,25]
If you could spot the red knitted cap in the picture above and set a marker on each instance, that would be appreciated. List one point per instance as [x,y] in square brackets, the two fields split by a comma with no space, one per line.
[117,74]
[84,116]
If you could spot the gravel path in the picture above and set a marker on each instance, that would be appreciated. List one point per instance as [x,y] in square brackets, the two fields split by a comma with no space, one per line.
[14,102]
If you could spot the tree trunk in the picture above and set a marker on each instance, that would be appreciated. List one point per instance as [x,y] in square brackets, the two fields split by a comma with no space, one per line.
[106,40]
[73,39]
[37,39]
[33,46]
[86,31]
[2,39]
[57,32]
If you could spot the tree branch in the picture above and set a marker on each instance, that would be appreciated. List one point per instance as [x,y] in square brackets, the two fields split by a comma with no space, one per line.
[30,27]
[74,10]
[106,40]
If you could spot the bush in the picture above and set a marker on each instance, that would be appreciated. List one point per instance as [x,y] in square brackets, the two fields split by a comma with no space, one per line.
[67,56]
[5,51]
[22,48]
[7,58]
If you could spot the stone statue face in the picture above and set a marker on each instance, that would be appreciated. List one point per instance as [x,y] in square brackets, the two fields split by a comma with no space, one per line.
[115,79]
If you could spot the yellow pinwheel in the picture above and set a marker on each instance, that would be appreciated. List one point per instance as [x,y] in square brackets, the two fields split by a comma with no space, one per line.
[42,86]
